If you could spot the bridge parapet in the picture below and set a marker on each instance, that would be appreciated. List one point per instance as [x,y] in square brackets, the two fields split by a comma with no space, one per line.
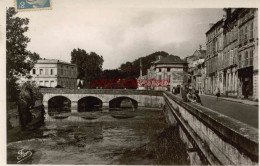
[108,97]
[212,138]
[101,91]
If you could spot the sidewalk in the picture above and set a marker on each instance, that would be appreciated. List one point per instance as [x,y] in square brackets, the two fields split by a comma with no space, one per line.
[249,102]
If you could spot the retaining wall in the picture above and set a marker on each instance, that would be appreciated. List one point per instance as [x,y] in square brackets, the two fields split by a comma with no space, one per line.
[212,138]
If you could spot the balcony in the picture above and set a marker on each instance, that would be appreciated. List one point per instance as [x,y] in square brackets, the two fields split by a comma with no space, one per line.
[245,63]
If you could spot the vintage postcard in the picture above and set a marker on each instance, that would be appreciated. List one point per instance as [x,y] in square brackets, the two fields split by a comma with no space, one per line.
[106,82]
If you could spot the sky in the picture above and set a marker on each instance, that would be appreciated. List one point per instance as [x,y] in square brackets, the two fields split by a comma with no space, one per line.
[118,33]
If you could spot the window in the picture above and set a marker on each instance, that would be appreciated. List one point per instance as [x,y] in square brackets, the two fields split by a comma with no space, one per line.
[239,57]
[168,69]
[251,31]
[52,84]
[46,83]
[34,71]
[251,57]
[51,71]
[160,70]
[235,33]
[245,38]
[41,71]
[246,59]
[241,36]
[231,57]
[235,56]
[46,71]
[231,36]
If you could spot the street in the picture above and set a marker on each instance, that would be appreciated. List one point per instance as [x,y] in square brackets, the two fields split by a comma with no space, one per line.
[245,113]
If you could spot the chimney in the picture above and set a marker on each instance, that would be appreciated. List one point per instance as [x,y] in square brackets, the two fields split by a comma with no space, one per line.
[158,57]
[211,25]
[224,17]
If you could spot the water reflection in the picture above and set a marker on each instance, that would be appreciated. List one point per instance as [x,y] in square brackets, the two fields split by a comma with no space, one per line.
[102,140]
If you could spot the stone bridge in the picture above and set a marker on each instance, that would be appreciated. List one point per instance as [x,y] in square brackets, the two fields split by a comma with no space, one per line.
[211,138]
[110,98]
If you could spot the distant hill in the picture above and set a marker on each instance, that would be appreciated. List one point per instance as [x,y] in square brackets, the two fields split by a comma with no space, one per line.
[132,69]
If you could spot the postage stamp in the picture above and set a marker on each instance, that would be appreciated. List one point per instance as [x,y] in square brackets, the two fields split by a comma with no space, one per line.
[29,5]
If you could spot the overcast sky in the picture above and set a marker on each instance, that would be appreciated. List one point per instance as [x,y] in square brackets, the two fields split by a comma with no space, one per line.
[119,34]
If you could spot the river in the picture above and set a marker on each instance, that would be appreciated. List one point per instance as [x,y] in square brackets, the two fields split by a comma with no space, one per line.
[143,139]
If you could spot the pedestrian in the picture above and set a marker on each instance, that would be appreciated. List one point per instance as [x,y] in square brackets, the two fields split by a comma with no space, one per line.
[218,93]
[173,90]
[190,96]
[197,97]
[184,94]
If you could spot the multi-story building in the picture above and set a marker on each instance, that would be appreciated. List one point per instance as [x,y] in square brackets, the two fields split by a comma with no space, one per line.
[227,63]
[170,68]
[214,43]
[247,60]
[234,41]
[52,72]
[196,67]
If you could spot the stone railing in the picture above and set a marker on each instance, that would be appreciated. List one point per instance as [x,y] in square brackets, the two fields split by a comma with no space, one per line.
[100,91]
[215,138]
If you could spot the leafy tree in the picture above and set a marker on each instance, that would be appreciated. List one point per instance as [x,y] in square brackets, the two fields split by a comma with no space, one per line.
[26,99]
[112,74]
[89,65]
[19,60]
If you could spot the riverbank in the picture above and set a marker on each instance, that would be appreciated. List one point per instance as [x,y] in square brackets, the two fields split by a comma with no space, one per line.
[142,139]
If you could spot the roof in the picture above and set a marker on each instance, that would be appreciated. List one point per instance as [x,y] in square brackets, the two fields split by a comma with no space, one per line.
[170,59]
[202,54]
[53,61]
[214,26]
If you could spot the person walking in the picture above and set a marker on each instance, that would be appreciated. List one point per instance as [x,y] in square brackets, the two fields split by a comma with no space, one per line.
[218,93]
[197,97]
[190,96]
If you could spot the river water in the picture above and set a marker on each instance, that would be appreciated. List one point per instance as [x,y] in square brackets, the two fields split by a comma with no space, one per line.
[142,139]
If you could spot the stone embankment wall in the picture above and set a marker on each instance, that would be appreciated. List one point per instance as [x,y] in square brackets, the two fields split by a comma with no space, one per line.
[212,138]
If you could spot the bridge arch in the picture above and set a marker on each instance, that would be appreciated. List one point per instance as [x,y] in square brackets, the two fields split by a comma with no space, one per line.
[123,102]
[59,104]
[89,103]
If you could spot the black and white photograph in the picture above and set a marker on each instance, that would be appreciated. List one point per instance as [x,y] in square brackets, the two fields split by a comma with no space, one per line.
[96,82]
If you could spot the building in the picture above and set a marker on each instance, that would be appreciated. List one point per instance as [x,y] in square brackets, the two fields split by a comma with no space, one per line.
[52,72]
[247,61]
[196,70]
[228,64]
[171,68]
[232,54]
[214,44]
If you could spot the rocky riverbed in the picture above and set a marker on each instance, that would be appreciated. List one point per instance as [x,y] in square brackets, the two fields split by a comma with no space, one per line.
[142,137]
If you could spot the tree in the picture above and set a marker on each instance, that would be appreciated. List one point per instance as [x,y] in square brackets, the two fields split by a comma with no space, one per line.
[89,65]
[19,60]
[26,99]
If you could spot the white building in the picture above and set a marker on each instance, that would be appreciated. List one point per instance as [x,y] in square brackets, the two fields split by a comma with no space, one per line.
[53,72]
[170,68]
